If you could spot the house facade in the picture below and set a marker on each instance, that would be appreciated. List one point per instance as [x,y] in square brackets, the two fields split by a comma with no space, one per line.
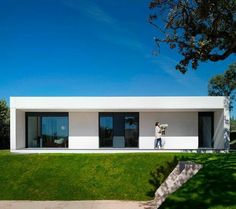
[117,124]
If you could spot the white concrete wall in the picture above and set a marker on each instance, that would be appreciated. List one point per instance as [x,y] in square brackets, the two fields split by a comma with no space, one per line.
[118,104]
[17,129]
[218,129]
[12,129]
[226,123]
[83,118]
[182,132]
[20,129]
[83,130]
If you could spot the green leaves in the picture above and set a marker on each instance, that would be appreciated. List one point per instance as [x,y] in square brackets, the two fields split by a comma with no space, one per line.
[4,124]
[224,84]
[200,30]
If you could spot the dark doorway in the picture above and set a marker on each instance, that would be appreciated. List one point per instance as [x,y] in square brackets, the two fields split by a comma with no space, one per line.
[118,130]
[205,129]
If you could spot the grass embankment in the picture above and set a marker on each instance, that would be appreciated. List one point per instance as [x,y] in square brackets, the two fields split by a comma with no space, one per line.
[115,176]
[77,176]
[214,187]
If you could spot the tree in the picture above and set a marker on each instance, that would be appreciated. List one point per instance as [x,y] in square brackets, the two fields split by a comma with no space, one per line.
[4,125]
[201,30]
[224,84]
[233,125]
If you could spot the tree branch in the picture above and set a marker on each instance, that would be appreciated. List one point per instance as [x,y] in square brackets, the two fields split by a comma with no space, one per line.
[217,57]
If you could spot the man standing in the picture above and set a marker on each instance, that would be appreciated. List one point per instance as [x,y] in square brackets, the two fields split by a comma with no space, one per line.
[158,142]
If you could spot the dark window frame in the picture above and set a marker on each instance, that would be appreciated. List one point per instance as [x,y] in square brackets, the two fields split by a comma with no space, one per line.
[104,114]
[112,114]
[43,114]
[211,114]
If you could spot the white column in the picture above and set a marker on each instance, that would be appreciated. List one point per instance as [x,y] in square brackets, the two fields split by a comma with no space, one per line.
[226,123]
[13,129]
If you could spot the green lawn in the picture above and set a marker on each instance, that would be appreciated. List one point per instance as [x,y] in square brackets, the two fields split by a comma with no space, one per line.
[115,176]
[77,176]
[214,187]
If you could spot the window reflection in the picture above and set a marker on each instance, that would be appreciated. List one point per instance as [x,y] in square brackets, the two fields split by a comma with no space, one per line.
[54,131]
[118,130]
[131,131]
[47,129]
[106,131]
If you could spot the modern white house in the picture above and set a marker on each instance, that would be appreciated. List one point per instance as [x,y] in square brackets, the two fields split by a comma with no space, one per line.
[117,124]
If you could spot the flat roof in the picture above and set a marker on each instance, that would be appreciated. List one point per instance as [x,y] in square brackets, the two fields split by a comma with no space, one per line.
[127,103]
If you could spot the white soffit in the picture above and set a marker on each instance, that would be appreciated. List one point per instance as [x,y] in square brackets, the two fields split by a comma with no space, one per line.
[117,103]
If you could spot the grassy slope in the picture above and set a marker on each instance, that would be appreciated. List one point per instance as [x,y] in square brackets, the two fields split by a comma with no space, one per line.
[115,176]
[73,176]
[214,187]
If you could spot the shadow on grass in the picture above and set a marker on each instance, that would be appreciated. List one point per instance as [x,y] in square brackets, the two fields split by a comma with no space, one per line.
[213,187]
[160,174]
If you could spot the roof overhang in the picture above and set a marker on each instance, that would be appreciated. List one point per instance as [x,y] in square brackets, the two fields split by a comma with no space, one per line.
[106,104]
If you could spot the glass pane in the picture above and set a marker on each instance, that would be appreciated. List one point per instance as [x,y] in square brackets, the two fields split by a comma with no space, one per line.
[207,130]
[118,130]
[33,133]
[55,131]
[118,124]
[106,131]
[131,131]
[118,138]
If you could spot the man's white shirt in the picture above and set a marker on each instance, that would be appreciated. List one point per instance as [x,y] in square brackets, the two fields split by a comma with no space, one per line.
[157,132]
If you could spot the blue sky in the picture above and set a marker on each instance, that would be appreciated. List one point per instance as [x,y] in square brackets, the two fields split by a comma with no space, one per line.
[89,48]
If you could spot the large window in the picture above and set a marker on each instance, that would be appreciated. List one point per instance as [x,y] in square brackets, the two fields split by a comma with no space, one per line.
[118,130]
[46,130]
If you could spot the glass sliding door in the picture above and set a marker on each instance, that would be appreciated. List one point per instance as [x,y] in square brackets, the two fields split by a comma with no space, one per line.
[118,137]
[47,130]
[131,130]
[33,131]
[105,130]
[118,130]
[205,129]
[54,131]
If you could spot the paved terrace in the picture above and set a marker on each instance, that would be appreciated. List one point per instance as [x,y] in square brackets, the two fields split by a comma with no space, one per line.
[97,204]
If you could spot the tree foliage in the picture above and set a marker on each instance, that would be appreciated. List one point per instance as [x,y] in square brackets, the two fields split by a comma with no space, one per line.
[4,125]
[224,84]
[201,30]
[233,125]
